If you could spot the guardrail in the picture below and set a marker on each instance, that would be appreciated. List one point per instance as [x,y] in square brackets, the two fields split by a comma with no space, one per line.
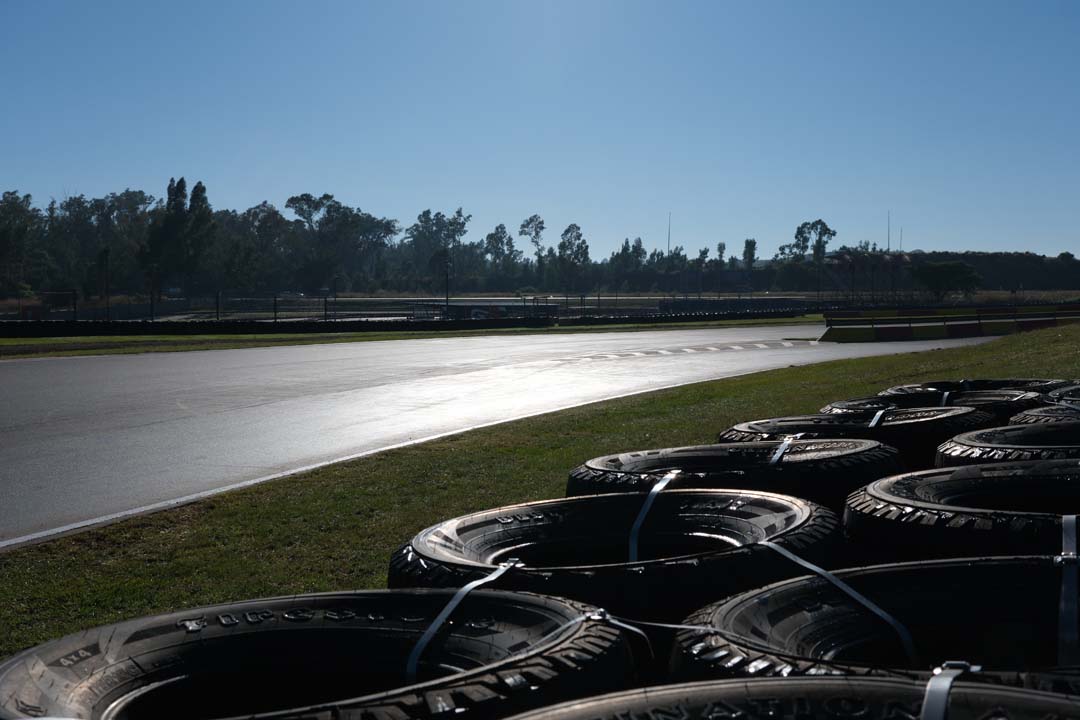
[933,327]
[906,313]
[873,321]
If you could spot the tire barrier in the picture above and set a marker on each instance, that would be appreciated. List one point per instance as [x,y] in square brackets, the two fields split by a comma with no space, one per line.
[822,471]
[1004,611]
[915,432]
[1040,385]
[701,550]
[1002,509]
[694,545]
[813,698]
[1067,394]
[1047,441]
[1047,414]
[1001,404]
[334,655]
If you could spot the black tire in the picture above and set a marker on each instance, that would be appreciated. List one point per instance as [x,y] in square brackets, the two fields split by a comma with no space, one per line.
[1001,613]
[1047,414]
[1002,404]
[822,471]
[1004,509]
[1068,394]
[1040,385]
[326,656]
[915,432]
[816,698]
[578,548]
[1047,441]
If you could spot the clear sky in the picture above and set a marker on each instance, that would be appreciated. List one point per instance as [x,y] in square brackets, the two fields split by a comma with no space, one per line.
[741,119]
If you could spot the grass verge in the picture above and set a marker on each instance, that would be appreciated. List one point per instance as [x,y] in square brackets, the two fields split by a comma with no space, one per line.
[11,348]
[335,527]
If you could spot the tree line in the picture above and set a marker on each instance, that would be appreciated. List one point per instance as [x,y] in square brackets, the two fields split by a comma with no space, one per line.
[133,243]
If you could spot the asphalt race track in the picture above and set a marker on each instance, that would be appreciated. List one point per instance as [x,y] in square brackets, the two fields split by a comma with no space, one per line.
[85,439]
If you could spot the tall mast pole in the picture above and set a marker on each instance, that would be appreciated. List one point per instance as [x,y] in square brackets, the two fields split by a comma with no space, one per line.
[669,232]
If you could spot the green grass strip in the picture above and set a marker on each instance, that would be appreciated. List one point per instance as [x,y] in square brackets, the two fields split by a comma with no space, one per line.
[334,528]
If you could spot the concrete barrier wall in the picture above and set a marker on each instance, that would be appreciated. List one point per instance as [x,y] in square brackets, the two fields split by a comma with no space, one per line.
[928,311]
[929,332]
[945,329]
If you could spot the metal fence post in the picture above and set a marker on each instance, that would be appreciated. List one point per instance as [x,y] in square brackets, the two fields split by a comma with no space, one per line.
[74,305]
[217,306]
[275,308]
[326,308]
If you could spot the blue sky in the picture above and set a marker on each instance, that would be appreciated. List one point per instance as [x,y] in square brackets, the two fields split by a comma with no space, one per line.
[741,119]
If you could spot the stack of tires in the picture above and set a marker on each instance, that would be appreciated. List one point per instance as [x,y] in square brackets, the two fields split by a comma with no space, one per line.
[813,566]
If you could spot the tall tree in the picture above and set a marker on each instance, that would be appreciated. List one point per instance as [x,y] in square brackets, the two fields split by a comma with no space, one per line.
[749,257]
[721,250]
[503,256]
[254,251]
[495,245]
[20,222]
[125,220]
[72,239]
[309,208]
[341,243]
[702,259]
[533,228]
[434,238]
[749,254]
[626,265]
[196,237]
[820,233]
[573,257]
[159,257]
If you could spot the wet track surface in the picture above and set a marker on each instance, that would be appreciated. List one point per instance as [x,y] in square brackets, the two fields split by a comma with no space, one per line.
[88,437]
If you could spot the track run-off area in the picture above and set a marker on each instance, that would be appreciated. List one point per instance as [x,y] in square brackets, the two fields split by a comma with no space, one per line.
[86,440]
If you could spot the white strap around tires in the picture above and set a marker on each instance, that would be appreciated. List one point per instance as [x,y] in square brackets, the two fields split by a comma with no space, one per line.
[780,451]
[655,490]
[597,615]
[421,645]
[877,418]
[901,631]
[784,447]
[1068,622]
[935,705]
